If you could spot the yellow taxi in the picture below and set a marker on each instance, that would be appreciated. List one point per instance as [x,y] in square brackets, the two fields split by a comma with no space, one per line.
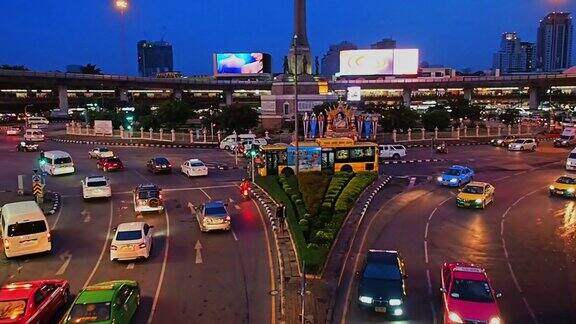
[475,195]
[564,186]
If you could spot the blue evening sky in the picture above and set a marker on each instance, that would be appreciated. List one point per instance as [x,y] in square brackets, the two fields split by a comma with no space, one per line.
[48,34]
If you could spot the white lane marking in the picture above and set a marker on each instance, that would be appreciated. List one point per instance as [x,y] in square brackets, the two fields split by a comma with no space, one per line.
[429,282]
[412,183]
[204,192]
[433,312]
[163,189]
[164,262]
[426,251]
[58,215]
[130,266]
[234,234]
[270,266]
[502,178]
[237,207]
[519,173]
[66,257]
[231,200]
[198,248]
[103,247]
[510,269]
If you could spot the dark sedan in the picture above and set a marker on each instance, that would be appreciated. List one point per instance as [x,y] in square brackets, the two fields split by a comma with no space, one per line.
[381,286]
[159,165]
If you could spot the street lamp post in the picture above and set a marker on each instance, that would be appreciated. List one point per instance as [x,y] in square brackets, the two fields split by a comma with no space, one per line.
[297,157]
[122,6]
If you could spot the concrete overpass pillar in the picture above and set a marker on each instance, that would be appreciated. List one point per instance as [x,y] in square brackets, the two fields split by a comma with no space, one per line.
[534,100]
[63,99]
[123,95]
[468,94]
[178,94]
[407,97]
[228,97]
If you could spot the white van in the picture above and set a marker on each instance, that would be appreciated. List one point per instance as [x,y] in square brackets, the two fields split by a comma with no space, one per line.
[571,160]
[230,141]
[395,152]
[24,229]
[57,162]
[40,121]
[34,135]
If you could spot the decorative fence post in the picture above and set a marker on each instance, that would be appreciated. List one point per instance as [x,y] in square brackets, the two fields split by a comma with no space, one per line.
[499,130]
[409,134]
[191,136]
[173,133]
[150,134]
[465,131]
[451,131]
[121,132]
[488,130]
[458,132]
[220,135]
[519,129]
[509,129]
[435,132]
[161,134]
[423,133]
[204,131]
[394,136]
[477,130]
[141,132]
[529,130]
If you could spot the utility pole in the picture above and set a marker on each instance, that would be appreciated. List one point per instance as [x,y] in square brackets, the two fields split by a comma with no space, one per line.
[297,157]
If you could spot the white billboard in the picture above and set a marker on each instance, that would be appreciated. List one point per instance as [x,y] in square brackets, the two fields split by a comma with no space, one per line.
[379,62]
[354,94]
[103,127]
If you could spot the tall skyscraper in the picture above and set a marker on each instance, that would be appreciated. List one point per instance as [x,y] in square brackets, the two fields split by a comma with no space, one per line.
[154,58]
[386,43]
[299,54]
[331,60]
[529,62]
[555,42]
[512,57]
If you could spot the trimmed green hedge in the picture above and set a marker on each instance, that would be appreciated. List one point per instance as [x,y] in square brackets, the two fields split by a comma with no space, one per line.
[312,186]
[353,190]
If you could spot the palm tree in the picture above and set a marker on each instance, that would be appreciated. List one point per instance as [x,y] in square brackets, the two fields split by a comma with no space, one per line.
[90,69]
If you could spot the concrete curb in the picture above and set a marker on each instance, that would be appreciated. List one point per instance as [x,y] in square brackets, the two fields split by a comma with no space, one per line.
[413,161]
[199,145]
[57,202]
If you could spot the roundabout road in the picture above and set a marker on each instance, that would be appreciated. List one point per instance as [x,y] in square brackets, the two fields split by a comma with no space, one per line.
[230,282]
[525,240]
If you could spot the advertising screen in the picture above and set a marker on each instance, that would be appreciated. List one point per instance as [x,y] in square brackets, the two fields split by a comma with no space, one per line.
[241,63]
[379,62]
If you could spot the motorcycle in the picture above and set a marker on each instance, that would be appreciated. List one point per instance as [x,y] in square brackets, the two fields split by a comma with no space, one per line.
[245,194]
[441,149]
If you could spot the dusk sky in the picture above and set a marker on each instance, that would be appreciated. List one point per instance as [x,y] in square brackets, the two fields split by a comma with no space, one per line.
[48,35]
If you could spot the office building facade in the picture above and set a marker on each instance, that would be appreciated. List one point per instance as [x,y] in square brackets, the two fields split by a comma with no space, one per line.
[154,58]
[554,44]
[514,56]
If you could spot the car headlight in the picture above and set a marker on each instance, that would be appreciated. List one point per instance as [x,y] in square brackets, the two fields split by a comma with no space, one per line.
[455,317]
[399,312]
[570,190]
[551,187]
[478,201]
[395,302]
[499,142]
[453,180]
[439,179]
[366,299]
[494,320]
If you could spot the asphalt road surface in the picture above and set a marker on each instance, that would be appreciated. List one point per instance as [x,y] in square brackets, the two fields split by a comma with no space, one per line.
[525,240]
[229,283]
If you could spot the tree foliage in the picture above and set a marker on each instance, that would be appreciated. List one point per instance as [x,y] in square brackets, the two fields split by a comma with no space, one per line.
[510,116]
[462,108]
[173,113]
[399,117]
[436,117]
[90,69]
[239,118]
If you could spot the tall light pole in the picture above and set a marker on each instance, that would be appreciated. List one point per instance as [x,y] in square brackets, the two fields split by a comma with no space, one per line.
[297,157]
[122,6]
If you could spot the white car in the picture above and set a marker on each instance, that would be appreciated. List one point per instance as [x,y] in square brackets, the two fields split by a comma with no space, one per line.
[395,152]
[523,144]
[100,152]
[194,168]
[571,161]
[13,131]
[131,241]
[96,187]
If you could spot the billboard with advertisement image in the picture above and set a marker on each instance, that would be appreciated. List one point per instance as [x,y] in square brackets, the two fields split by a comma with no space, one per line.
[379,62]
[239,64]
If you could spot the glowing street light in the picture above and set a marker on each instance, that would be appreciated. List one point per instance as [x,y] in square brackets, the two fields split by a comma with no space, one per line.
[121,5]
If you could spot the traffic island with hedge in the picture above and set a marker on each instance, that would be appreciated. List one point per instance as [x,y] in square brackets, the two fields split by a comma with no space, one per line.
[316,207]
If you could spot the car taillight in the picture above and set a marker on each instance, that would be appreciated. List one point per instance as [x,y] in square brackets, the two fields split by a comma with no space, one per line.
[49,236]
[169,165]
[142,245]
[113,248]
[6,244]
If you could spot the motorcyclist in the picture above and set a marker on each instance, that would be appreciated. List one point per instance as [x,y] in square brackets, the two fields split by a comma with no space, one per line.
[244,186]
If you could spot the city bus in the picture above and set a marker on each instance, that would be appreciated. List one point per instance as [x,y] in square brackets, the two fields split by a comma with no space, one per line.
[323,154]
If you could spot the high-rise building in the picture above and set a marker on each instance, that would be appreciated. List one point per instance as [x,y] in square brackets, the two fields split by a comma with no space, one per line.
[331,60]
[154,58]
[554,47]
[529,60]
[386,43]
[511,58]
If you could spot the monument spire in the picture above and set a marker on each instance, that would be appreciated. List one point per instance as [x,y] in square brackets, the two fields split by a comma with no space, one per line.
[299,57]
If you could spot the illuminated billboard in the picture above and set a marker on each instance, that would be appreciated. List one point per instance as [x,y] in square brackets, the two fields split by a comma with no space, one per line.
[379,62]
[234,64]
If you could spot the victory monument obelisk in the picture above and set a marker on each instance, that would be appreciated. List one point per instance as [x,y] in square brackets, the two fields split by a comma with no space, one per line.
[299,53]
